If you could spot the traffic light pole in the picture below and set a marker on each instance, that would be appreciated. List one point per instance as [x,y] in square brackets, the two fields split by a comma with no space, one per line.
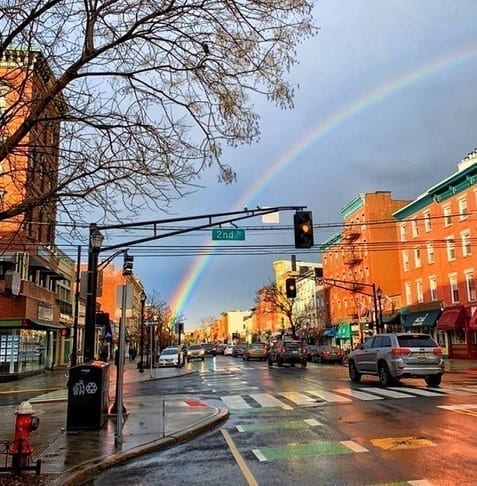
[95,247]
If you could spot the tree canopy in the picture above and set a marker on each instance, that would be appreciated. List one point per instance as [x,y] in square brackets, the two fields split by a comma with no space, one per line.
[151,92]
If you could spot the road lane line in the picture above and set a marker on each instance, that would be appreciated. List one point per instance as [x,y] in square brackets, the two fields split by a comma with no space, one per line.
[354,446]
[247,474]
[358,394]
[328,396]
[235,402]
[297,398]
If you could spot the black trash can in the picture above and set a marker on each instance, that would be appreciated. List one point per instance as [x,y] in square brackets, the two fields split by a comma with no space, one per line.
[88,394]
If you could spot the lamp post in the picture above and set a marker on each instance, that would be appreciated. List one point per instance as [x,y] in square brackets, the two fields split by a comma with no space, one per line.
[379,295]
[95,241]
[141,342]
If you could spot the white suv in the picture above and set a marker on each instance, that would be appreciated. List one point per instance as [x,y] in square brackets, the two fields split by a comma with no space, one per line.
[395,356]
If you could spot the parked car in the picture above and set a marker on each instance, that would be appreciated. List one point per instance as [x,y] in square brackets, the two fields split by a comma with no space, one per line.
[228,350]
[256,351]
[328,354]
[195,351]
[393,356]
[310,350]
[209,349]
[290,352]
[170,356]
[238,350]
[219,348]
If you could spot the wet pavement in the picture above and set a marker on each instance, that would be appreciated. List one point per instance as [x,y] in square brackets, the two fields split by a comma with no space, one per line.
[151,422]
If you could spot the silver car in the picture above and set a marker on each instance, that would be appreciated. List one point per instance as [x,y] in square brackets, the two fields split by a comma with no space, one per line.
[398,355]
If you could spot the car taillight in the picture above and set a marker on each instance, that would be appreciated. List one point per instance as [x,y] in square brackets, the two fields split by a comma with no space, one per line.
[325,352]
[400,351]
[283,350]
[437,351]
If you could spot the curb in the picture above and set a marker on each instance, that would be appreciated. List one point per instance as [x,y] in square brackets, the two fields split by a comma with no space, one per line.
[86,471]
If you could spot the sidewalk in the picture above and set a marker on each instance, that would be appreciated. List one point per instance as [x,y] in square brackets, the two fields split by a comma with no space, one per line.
[152,422]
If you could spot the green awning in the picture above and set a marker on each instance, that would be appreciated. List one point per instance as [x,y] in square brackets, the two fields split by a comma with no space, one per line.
[10,323]
[421,319]
[344,331]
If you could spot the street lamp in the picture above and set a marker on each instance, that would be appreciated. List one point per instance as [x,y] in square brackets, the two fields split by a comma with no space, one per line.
[141,342]
[379,295]
[95,241]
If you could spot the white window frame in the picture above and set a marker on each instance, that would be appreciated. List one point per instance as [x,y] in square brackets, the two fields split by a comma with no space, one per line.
[433,288]
[447,216]
[427,222]
[402,232]
[415,228]
[466,243]
[405,261]
[430,253]
[417,258]
[454,288]
[450,248]
[408,293]
[419,291]
[470,285]
[463,211]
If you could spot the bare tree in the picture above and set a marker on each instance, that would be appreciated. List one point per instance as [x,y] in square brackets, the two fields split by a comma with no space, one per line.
[279,303]
[148,92]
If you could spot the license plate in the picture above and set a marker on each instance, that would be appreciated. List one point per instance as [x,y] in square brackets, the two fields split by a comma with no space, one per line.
[294,352]
[421,356]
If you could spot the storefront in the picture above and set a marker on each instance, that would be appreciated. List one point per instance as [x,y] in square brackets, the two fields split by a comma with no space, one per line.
[457,328]
[26,346]
[422,320]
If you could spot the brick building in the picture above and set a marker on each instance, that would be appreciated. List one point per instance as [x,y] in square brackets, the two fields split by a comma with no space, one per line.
[438,261]
[29,316]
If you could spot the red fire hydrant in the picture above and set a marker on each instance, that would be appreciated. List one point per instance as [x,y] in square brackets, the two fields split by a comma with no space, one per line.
[25,424]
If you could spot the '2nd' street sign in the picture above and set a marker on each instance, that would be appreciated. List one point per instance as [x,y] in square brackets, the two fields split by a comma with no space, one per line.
[228,234]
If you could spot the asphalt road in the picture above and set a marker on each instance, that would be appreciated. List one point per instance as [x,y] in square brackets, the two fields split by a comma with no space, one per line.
[314,427]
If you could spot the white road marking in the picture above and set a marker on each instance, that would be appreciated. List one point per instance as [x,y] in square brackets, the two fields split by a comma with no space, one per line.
[267,400]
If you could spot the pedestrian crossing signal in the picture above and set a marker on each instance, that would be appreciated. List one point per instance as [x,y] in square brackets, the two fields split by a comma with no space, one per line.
[303,225]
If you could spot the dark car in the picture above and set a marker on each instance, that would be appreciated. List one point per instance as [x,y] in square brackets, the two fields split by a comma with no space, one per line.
[219,348]
[209,349]
[238,351]
[310,350]
[289,352]
[256,351]
[328,354]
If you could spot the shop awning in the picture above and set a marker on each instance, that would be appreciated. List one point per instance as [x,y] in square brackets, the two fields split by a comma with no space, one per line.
[452,318]
[426,318]
[37,324]
[344,331]
[10,323]
[473,321]
[392,318]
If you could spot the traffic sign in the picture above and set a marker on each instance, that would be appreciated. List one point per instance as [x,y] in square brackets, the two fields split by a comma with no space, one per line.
[230,234]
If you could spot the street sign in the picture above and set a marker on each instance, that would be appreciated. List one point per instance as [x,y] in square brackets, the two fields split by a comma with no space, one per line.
[230,234]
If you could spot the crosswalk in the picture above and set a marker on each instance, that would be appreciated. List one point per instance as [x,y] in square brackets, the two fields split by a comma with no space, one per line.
[288,400]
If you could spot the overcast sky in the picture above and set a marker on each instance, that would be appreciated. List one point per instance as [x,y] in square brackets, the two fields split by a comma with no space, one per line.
[387,100]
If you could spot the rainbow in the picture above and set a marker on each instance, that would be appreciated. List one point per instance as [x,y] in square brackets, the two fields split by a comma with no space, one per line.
[195,271]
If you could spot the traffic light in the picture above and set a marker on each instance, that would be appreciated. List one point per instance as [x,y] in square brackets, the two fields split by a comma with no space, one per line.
[128,264]
[290,286]
[303,224]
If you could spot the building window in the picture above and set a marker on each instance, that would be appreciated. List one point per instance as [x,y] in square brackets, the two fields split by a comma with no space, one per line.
[454,289]
[415,228]
[466,243]
[450,245]
[427,222]
[447,216]
[430,253]
[433,288]
[470,285]
[402,230]
[405,261]
[463,208]
[420,293]
[417,257]
[407,289]
[4,89]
